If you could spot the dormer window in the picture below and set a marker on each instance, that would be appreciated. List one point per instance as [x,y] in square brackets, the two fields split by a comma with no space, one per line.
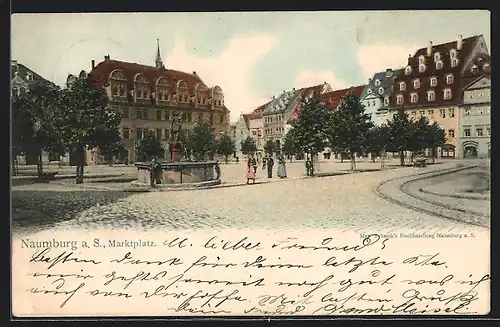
[439,64]
[431,96]
[421,68]
[386,101]
[408,70]
[433,81]
[381,90]
[486,67]
[421,60]
[454,62]
[413,97]
[369,91]
[447,94]
[399,99]
[437,56]
[416,83]
[449,79]
[453,53]
[29,76]
[377,82]
[474,69]
[402,86]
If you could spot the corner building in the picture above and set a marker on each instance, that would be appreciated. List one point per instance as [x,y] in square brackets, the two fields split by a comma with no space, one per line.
[431,86]
[149,97]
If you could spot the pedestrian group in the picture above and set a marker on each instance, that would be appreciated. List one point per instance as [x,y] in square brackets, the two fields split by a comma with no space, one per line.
[267,162]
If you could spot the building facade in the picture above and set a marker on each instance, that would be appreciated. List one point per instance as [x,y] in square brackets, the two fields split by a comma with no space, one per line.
[376,95]
[240,132]
[149,97]
[475,119]
[256,126]
[430,86]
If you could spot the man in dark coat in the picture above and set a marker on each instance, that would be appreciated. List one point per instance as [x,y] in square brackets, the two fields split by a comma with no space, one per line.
[152,172]
[270,164]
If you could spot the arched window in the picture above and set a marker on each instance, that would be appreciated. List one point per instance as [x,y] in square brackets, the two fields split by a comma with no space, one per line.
[381,90]
[453,53]
[416,83]
[437,56]
[421,68]
[162,89]
[439,65]
[182,91]
[118,83]
[141,86]
[218,96]
[377,82]
[454,62]
[408,70]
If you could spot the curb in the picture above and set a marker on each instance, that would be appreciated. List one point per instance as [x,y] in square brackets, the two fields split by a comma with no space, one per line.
[457,196]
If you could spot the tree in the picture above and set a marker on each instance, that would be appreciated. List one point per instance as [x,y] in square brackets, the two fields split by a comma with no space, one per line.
[401,133]
[377,139]
[114,150]
[84,119]
[149,147]
[349,126]
[248,146]
[201,142]
[270,147]
[430,136]
[225,146]
[310,127]
[289,144]
[33,128]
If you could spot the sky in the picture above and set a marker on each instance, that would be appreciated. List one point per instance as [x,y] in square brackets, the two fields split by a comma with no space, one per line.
[250,55]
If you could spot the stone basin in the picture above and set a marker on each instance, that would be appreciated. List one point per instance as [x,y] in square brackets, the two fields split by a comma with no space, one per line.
[189,174]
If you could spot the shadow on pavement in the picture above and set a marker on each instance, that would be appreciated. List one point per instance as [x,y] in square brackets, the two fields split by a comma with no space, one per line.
[38,210]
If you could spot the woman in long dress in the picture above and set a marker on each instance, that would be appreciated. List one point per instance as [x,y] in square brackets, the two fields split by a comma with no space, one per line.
[281,168]
[250,172]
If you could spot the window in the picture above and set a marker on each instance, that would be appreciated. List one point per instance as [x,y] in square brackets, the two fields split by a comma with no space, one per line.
[421,60]
[158,133]
[451,133]
[158,114]
[126,113]
[453,53]
[399,99]
[488,131]
[480,110]
[421,68]
[467,132]
[431,96]
[416,83]
[442,113]
[114,90]
[381,91]
[408,70]
[221,120]
[414,98]
[402,86]
[166,135]
[447,94]
[449,79]
[430,112]
[121,90]
[126,133]
[474,69]
[369,91]
[451,112]
[486,67]
[434,81]
[139,114]
[467,112]
[167,115]
[377,82]
[439,64]
[479,131]
[437,56]
[454,62]
[386,101]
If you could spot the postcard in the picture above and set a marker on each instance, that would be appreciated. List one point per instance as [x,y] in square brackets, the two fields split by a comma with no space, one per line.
[271,164]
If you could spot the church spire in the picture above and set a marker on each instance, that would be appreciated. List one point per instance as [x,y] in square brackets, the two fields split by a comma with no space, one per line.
[158,61]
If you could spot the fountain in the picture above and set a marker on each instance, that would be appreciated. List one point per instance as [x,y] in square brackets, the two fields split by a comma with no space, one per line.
[176,173]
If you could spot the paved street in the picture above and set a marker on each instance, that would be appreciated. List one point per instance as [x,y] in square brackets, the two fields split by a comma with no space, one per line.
[344,202]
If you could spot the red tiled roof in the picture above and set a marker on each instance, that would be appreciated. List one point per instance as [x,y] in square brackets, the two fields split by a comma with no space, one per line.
[257,112]
[101,72]
[334,98]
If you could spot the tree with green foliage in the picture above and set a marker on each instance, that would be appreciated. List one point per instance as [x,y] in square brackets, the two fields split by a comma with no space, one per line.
[429,136]
[377,139]
[84,119]
[149,147]
[290,144]
[33,128]
[114,150]
[201,142]
[248,146]
[225,146]
[349,126]
[401,134]
[310,126]
[270,147]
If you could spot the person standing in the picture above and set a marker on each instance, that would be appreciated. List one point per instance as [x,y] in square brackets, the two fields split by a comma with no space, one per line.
[153,168]
[250,171]
[270,164]
[308,166]
[281,168]
[254,163]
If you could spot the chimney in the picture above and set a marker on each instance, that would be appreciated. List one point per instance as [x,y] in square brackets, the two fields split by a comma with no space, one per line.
[13,63]
[274,97]
[369,80]
[460,42]
[194,72]
[106,57]
[429,49]
[293,89]
[388,72]
[409,59]
[93,64]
